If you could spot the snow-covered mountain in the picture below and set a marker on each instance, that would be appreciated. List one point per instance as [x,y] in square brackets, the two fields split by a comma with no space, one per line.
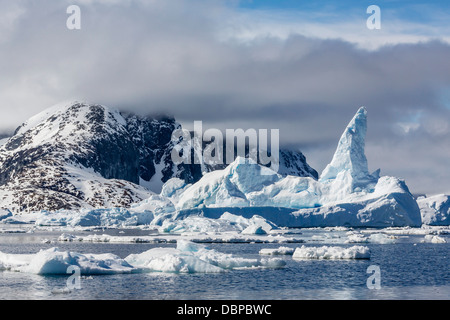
[70,156]
[80,155]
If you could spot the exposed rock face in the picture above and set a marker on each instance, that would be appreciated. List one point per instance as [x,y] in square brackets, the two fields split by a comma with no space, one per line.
[152,138]
[293,162]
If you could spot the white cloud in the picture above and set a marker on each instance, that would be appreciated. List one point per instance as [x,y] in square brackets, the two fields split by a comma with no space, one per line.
[10,14]
[202,60]
[252,25]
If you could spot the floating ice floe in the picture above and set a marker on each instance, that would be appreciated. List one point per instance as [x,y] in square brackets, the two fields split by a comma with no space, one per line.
[187,257]
[54,261]
[434,239]
[332,252]
[68,237]
[277,251]
[424,230]
[356,237]
[190,257]
[380,238]
[222,237]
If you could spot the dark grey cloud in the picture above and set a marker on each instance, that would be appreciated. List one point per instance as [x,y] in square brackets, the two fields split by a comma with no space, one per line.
[166,56]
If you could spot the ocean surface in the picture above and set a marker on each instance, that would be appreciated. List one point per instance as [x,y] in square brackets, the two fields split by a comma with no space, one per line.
[409,269]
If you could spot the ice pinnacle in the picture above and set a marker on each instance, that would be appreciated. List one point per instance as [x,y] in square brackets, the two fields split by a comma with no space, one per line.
[350,155]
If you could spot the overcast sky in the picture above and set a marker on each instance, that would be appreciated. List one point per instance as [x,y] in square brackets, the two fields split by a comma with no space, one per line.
[304,67]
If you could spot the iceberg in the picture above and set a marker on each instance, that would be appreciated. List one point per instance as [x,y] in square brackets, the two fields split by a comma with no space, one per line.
[435,210]
[349,158]
[173,188]
[345,195]
[334,253]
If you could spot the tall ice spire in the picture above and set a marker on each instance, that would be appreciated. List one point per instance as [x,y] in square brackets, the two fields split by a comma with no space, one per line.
[349,155]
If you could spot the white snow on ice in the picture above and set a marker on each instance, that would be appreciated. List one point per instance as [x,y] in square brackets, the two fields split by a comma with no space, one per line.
[332,252]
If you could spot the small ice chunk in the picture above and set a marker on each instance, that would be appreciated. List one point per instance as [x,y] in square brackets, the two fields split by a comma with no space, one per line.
[329,252]
[355,237]
[67,237]
[382,238]
[434,239]
[64,290]
[277,251]
[273,263]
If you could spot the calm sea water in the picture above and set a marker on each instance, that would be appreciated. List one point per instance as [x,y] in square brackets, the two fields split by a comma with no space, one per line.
[409,270]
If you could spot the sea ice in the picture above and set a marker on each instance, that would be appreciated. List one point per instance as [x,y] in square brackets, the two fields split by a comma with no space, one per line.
[170,260]
[190,257]
[331,252]
[382,238]
[277,251]
[54,261]
[356,237]
[434,239]
[187,257]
